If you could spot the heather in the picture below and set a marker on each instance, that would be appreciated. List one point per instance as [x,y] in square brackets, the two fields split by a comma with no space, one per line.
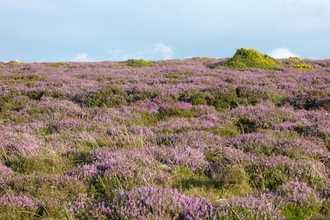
[170,139]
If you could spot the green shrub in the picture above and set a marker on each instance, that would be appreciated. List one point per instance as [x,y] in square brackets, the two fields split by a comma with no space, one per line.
[219,99]
[203,58]
[137,95]
[303,67]
[138,63]
[247,58]
[59,64]
[14,63]
[296,58]
[106,97]
[35,94]
[225,99]
[194,97]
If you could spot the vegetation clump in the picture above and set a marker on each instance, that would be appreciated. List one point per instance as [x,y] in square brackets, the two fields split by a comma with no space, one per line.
[59,64]
[13,63]
[251,58]
[303,67]
[138,63]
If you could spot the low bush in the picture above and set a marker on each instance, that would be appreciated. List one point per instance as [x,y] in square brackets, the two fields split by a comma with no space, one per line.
[59,64]
[138,63]
[220,99]
[303,67]
[13,63]
[247,58]
[106,97]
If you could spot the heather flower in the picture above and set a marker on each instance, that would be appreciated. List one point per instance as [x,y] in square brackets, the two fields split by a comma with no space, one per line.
[264,116]
[5,171]
[272,145]
[271,172]
[298,193]
[127,167]
[160,203]
[17,206]
[185,156]
[299,200]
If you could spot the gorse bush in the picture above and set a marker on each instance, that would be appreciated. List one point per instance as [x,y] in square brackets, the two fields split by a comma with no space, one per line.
[59,64]
[138,63]
[247,58]
[14,63]
[303,67]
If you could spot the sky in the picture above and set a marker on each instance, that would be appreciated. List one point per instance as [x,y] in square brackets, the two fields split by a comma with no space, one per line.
[117,30]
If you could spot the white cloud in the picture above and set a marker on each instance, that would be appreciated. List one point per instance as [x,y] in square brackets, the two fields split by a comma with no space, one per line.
[164,51]
[282,53]
[83,57]
[159,51]
[119,55]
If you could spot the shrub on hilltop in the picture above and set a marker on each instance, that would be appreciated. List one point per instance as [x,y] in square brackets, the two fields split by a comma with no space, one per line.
[14,63]
[303,67]
[59,64]
[249,58]
[138,63]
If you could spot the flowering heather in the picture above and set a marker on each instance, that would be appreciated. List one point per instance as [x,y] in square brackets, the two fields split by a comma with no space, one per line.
[160,203]
[17,207]
[177,139]
[5,171]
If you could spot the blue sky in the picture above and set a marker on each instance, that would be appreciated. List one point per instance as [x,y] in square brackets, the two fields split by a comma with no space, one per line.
[98,30]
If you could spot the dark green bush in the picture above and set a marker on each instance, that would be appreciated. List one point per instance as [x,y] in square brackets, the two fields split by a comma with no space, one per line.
[107,97]
[225,99]
[251,95]
[194,97]
[138,63]
[35,94]
[220,99]
[247,58]
[136,95]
